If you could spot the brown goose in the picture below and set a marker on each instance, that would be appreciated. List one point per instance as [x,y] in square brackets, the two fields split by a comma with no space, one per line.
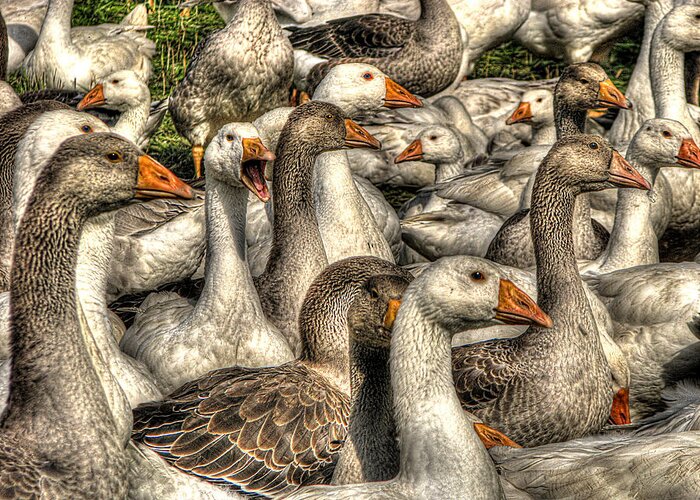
[211,427]
[57,435]
[424,55]
[297,253]
[553,384]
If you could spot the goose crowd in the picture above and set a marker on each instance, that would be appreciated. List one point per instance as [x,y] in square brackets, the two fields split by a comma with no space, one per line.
[525,326]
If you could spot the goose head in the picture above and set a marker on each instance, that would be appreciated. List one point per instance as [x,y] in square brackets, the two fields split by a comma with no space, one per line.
[586,86]
[359,88]
[237,157]
[460,293]
[586,163]
[436,145]
[103,171]
[681,27]
[536,107]
[120,91]
[373,311]
[320,127]
[665,143]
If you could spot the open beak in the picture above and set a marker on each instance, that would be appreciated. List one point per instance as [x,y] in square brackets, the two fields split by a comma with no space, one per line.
[357,137]
[414,152]
[156,181]
[94,98]
[688,154]
[391,312]
[398,97]
[253,163]
[623,174]
[521,115]
[620,412]
[609,96]
[515,307]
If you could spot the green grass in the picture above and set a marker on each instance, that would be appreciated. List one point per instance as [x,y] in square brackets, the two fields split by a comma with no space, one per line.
[176,38]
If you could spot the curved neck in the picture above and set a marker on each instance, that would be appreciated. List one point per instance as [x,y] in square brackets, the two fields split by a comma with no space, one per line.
[429,418]
[57,25]
[446,171]
[567,121]
[132,122]
[53,378]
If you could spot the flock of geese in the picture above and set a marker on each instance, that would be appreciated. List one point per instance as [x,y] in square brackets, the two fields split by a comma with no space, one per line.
[525,327]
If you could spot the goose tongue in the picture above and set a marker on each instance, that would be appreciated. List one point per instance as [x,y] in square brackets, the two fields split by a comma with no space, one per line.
[623,174]
[515,307]
[94,98]
[255,158]
[688,154]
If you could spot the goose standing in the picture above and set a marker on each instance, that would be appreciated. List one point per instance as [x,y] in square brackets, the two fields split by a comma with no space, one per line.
[65,58]
[440,453]
[179,342]
[57,435]
[496,379]
[237,74]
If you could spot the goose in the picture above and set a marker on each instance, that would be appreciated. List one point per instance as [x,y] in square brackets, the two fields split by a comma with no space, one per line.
[288,11]
[577,31]
[430,422]
[582,86]
[57,388]
[682,413]
[24,19]
[68,58]
[179,341]
[124,92]
[297,252]
[13,125]
[424,55]
[495,379]
[246,398]
[223,84]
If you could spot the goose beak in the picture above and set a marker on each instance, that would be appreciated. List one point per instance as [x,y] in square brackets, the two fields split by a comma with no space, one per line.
[623,174]
[688,154]
[391,311]
[521,115]
[398,97]
[620,413]
[414,152]
[94,98]
[253,163]
[515,307]
[609,96]
[357,137]
[156,181]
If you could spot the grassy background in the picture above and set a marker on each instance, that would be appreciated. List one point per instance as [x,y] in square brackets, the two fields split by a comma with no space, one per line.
[176,38]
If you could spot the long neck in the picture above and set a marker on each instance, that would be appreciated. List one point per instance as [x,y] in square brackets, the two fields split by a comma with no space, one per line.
[57,25]
[132,122]
[429,419]
[55,389]
[434,10]
[567,121]
[544,133]
[371,452]
[445,171]
[633,241]
[668,83]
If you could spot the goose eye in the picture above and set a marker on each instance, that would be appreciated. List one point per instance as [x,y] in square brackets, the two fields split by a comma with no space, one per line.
[115,82]
[539,100]
[477,276]
[666,134]
[584,81]
[329,116]
[367,75]
[113,157]
[86,129]
[593,145]
[697,16]
[433,137]
[229,137]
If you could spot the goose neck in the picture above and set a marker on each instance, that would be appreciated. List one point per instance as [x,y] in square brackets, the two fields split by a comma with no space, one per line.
[132,122]
[57,25]
[429,419]
[568,121]
[446,171]
[544,133]
[434,10]
[53,378]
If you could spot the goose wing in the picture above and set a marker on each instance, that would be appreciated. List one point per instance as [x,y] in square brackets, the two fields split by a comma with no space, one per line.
[263,431]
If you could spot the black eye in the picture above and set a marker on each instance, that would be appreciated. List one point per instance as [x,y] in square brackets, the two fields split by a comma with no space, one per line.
[86,129]
[593,145]
[584,81]
[539,100]
[229,137]
[367,75]
[329,116]
[477,276]
[114,82]
[433,137]
[697,16]
[114,157]
[667,134]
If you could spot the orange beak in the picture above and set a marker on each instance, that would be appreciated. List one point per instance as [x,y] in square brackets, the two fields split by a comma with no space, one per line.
[414,152]
[357,137]
[688,154]
[521,115]
[398,97]
[94,98]
[515,307]
[620,413]
[623,174]
[609,96]
[253,163]
[156,181]
[391,312]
